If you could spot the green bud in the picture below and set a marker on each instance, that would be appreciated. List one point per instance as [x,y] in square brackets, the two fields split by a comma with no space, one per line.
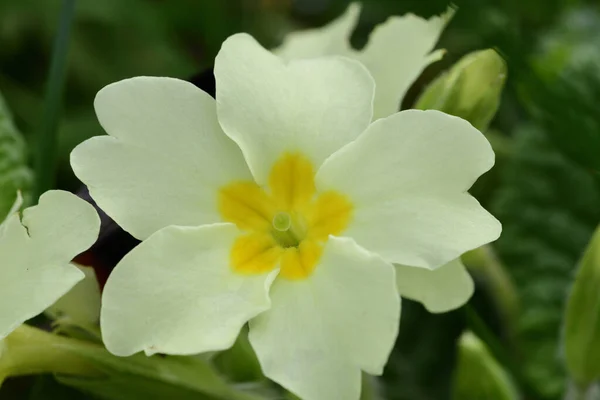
[582,321]
[471,89]
[478,374]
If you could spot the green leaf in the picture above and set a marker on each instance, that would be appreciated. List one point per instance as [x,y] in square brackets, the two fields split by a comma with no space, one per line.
[39,387]
[567,108]
[564,93]
[484,265]
[45,387]
[582,322]
[478,374]
[548,206]
[14,173]
[239,362]
[127,387]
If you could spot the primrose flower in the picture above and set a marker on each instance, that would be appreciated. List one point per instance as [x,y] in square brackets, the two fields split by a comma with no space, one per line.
[280,204]
[36,251]
[397,52]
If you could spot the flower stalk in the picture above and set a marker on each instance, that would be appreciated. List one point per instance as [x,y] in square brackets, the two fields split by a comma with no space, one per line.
[29,351]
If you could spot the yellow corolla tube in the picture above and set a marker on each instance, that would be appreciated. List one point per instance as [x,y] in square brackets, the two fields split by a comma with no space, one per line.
[285,224]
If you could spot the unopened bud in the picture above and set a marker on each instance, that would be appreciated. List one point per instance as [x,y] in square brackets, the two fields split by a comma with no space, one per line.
[479,375]
[471,89]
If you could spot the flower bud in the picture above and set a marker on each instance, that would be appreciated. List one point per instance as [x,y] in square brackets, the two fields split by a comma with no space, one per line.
[478,374]
[471,89]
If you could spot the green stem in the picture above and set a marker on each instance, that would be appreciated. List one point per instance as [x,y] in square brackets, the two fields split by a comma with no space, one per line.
[29,351]
[45,158]
[483,261]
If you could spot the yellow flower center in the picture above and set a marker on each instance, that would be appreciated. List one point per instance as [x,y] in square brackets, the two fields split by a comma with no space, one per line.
[287,223]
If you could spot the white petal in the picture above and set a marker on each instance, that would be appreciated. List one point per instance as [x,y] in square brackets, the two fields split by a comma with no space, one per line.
[176,294]
[407,177]
[81,304]
[165,158]
[35,255]
[309,106]
[61,226]
[331,39]
[321,331]
[443,289]
[396,54]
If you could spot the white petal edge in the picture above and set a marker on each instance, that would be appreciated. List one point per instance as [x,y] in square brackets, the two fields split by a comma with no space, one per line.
[165,158]
[35,255]
[331,39]
[176,293]
[396,54]
[407,177]
[321,331]
[268,107]
[441,290]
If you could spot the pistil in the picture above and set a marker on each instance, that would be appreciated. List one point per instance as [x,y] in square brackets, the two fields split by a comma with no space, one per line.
[285,231]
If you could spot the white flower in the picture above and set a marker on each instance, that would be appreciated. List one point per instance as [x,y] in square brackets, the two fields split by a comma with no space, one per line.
[287,210]
[395,55]
[35,253]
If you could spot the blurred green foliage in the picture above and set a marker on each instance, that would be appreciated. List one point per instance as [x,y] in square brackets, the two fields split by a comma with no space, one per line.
[546,134]
[111,40]
[14,172]
[548,207]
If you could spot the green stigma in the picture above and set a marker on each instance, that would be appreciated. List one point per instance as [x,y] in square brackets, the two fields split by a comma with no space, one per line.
[282,221]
